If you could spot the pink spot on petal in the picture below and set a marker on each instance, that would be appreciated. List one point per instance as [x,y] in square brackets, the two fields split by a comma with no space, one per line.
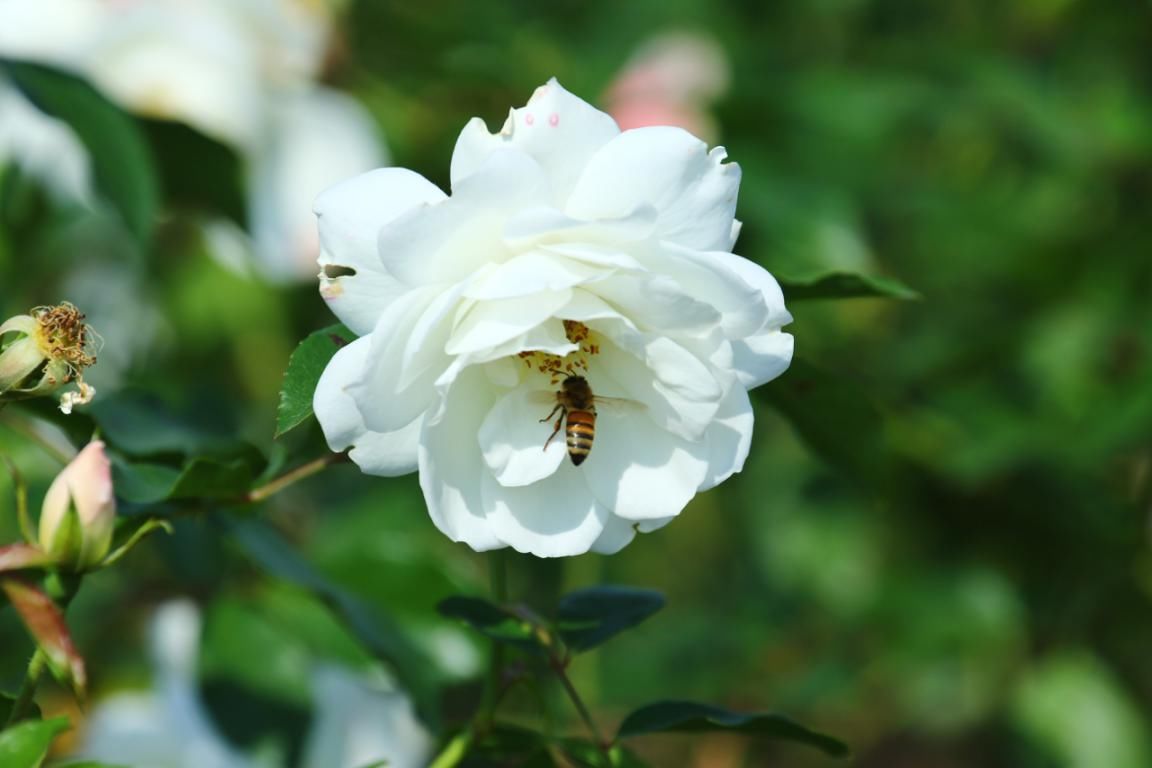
[553,119]
[529,118]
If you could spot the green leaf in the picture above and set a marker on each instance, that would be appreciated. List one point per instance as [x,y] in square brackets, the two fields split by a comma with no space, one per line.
[835,419]
[141,425]
[131,532]
[379,634]
[502,744]
[845,285]
[7,704]
[694,717]
[491,620]
[588,617]
[304,369]
[202,477]
[121,165]
[26,744]
[45,622]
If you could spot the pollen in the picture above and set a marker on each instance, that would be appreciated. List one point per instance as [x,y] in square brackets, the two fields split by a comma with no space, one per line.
[575,363]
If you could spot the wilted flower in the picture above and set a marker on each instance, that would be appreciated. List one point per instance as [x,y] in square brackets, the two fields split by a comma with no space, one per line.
[570,256]
[43,351]
[79,511]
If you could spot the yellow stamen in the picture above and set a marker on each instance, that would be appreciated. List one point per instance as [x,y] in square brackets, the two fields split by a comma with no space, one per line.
[574,363]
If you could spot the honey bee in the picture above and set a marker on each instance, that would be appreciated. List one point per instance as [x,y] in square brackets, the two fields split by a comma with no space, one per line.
[577,407]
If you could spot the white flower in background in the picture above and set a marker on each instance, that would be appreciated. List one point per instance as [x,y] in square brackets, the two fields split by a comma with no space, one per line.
[359,724]
[168,726]
[355,724]
[42,147]
[321,138]
[241,71]
[567,249]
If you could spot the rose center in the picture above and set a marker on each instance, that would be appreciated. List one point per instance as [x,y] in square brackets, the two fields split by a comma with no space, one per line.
[575,363]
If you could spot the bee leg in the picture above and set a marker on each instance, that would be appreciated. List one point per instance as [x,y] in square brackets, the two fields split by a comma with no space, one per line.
[556,426]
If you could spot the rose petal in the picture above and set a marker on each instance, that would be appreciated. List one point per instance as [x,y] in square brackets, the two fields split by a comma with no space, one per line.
[451,465]
[728,438]
[448,242]
[516,446]
[640,471]
[549,336]
[555,517]
[655,303]
[335,409]
[558,129]
[693,190]
[710,277]
[388,454]
[759,278]
[762,357]
[405,357]
[491,323]
[351,216]
[618,533]
[531,272]
[542,226]
[377,453]
[681,394]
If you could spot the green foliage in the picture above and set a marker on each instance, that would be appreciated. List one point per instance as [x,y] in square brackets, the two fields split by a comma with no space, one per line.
[380,635]
[304,369]
[589,617]
[584,619]
[122,167]
[487,618]
[693,717]
[845,285]
[835,418]
[201,477]
[26,744]
[884,566]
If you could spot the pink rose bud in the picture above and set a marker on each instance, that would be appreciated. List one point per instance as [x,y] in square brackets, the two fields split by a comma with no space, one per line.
[79,511]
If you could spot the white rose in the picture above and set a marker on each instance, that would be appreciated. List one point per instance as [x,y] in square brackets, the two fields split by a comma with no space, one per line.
[566,248]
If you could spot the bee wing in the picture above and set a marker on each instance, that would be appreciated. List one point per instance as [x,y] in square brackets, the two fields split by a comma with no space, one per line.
[619,404]
[542,397]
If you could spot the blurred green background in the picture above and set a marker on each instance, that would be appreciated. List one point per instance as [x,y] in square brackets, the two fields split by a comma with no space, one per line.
[938,550]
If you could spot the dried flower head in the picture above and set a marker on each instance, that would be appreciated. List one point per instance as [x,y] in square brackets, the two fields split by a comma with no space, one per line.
[45,350]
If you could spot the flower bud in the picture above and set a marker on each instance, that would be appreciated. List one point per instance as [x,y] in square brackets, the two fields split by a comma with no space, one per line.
[42,351]
[80,510]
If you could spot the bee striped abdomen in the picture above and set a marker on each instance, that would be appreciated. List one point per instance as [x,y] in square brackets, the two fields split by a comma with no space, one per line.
[579,433]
